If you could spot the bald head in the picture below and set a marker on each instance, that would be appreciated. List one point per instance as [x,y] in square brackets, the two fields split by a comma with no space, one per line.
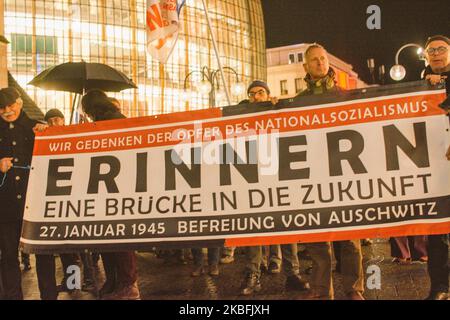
[316,62]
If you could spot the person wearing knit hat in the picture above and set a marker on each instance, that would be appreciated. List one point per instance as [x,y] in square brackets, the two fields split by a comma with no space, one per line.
[258,83]
[258,91]
[54,117]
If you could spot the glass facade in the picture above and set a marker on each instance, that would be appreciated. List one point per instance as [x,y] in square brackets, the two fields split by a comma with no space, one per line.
[44,33]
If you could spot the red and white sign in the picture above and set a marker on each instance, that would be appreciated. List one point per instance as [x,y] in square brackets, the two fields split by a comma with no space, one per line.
[162,25]
[366,167]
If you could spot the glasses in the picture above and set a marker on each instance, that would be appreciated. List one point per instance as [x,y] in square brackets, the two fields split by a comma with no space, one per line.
[438,50]
[252,94]
[10,106]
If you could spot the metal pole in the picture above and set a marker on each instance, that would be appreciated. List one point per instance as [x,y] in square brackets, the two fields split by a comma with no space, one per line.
[381,72]
[403,47]
[73,108]
[217,52]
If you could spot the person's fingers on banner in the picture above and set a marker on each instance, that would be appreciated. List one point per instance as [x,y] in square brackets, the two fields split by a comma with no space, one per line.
[5,164]
[435,78]
[40,127]
[274,100]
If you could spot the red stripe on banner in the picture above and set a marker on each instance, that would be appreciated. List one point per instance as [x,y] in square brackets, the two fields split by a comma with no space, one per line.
[398,231]
[356,113]
[130,123]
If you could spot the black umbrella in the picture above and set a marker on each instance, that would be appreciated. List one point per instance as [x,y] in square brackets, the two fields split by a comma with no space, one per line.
[79,77]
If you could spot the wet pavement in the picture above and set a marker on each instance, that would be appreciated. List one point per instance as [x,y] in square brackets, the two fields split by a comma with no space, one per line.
[159,280]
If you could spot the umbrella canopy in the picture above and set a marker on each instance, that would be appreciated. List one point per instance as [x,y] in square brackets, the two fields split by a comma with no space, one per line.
[81,76]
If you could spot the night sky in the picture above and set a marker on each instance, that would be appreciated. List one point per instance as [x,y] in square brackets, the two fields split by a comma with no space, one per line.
[340,26]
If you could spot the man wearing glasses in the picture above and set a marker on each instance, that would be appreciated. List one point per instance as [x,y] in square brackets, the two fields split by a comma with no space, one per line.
[437,54]
[258,91]
[16,148]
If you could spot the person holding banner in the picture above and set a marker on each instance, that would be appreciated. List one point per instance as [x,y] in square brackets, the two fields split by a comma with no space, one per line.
[16,149]
[437,54]
[258,91]
[120,267]
[45,263]
[320,80]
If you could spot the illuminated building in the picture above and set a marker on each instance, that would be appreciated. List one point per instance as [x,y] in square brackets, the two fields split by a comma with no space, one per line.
[43,33]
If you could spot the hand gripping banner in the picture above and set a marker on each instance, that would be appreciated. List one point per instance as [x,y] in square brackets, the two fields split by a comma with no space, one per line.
[360,164]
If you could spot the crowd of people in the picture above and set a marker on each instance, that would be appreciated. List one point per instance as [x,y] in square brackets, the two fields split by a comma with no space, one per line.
[16,146]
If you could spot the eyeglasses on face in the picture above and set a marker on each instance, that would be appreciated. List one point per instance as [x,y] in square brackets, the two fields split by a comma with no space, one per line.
[438,50]
[252,94]
[10,106]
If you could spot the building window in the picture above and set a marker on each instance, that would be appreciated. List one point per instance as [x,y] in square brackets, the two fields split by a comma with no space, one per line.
[21,43]
[113,32]
[283,87]
[298,85]
[300,57]
[291,58]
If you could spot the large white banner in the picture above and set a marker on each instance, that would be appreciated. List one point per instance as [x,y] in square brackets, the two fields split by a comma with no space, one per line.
[356,168]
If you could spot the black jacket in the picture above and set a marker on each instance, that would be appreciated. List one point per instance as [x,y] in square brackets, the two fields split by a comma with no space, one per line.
[109,116]
[16,141]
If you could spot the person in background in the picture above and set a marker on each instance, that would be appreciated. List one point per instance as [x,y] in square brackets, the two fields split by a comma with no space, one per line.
[227,255]
[25,259]
[54,117]
[258,91]
[120,267]
[45,263]
[320,79]
[404,250]
[437,53]
[116,102]
[213,261]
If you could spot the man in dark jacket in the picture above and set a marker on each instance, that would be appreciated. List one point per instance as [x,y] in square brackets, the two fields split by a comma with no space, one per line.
[320,80]
[437,53]
[258,91]
[45,263]
[16,148]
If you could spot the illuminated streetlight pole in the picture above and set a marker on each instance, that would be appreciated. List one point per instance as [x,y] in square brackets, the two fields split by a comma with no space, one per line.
[371,66]
[398,71]
[225,84]
[210,84]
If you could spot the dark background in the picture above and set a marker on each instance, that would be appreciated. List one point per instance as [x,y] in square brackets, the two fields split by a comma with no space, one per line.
[340,26]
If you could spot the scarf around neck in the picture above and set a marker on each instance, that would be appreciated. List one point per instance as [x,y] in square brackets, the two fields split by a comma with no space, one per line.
[322,85]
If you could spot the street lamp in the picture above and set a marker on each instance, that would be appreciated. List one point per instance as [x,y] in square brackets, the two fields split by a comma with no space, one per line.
[397,71]
[381,73]
[210,85]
